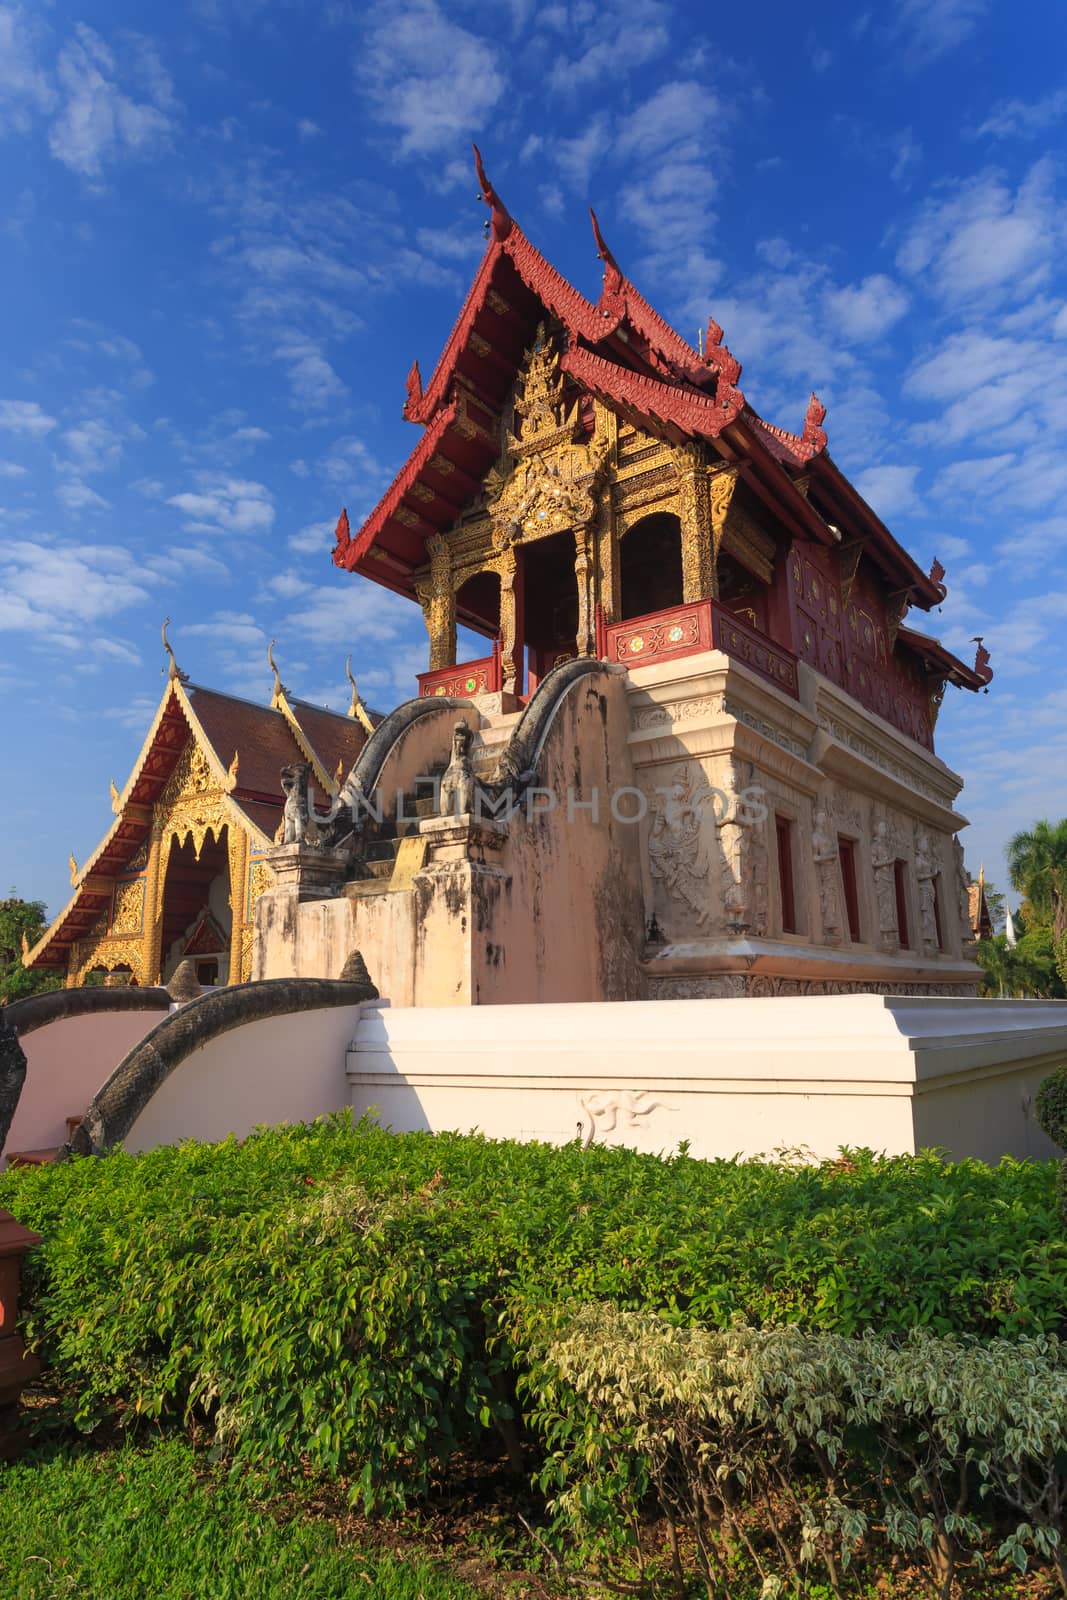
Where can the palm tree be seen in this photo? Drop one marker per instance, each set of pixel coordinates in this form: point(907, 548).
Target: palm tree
point(1037, 864)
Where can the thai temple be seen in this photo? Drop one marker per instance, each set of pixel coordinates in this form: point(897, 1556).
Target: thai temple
point(692, 764)
point(695, 757)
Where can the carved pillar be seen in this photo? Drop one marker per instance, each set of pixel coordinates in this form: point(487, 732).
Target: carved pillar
point(585, 641)
point(238, 852)
point(606, 588)
point(438, 602)
point(699, 548)
point(153, 907)
point(721, 486)
point(507, 566)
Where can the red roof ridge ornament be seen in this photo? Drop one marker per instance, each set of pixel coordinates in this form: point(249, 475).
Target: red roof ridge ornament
point(981, 661)
point(343, 536)
point(814, 434)
point(612, 302)
point(413, 384)
point(937, 577)
point(501, 220)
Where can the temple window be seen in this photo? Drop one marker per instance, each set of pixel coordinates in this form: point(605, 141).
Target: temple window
point(478, 604)
point(847, 852)
point(900, 884)
point(550, 601)
point(742, 592)
point(650, 566)
point(783, 829)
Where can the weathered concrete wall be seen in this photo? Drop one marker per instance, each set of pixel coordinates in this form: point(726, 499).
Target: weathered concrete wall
point(66, 1062)
point(560, 915)
point(893, 1074)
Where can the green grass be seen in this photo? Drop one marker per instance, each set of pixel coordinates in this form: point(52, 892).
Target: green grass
point(159, 1524)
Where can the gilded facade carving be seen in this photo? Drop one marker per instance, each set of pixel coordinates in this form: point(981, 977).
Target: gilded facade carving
point(127, 906)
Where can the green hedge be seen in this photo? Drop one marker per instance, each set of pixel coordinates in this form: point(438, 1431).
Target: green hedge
point(334, 1292)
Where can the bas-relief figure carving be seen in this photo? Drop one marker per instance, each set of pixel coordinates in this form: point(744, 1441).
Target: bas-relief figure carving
point(883, 860)
point(678, 845)
point(824, 851)
point(746, 893)
point(604, 1110)
point(457, 785)
point(926, 870)
point(963, 897)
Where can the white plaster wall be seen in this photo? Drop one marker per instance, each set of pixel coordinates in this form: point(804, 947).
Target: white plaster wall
point(280, 1069)
point(749, 1077)
point(67, 1061)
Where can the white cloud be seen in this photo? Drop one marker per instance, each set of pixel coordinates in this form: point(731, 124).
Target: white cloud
point(312, 380)
point(889, 490)
point(427, 75)
point(606, 43)
point(866, 310)
point(11, 469)
point(41, 595)
point(98, 121)
point(928, 29)
point(1023, 119)
point(352, 609)
point(577, 157)
point(236, 629)
point(312, 540)
point(93, 446)
point(24, 86)
point(25, 417)
point(226, 505)
point(983, 239)
point(78, 496)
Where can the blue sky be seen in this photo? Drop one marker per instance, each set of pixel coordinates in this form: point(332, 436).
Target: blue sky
point(228, 226)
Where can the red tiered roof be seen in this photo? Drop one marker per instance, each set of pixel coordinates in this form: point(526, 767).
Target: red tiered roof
point(623, 352)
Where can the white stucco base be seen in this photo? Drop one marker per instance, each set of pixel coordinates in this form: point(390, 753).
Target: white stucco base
point(897, 1074)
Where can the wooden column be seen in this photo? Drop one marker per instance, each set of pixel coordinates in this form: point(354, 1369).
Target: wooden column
point(507, 565)
point(585, 642)
point(238, 853)
point(152, 934)
point(439, 605)
point(699, 546)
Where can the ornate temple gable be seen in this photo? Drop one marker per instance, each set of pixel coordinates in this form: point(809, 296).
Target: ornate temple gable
point(209, 761)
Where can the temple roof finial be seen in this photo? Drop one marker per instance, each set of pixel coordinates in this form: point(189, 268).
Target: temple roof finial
point(342, 533)
point(814, 417)
point(981, 660)
point(612, 271)
point(73, 865)
point(279, 691)
point(357, 710)
point(173, 671)
point(413, 384)
point(501, 221)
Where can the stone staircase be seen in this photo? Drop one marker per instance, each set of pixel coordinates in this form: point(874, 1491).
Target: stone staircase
point(376, 872)
point(41, 1158)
